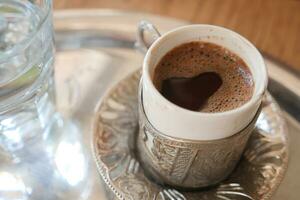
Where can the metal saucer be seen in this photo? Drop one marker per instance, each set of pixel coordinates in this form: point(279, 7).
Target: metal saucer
point(257, 176)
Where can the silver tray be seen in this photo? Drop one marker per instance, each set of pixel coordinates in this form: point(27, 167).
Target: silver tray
point(95, 50)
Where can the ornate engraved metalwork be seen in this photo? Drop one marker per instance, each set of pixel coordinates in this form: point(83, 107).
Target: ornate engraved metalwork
point(257, 175)
point(188, 163)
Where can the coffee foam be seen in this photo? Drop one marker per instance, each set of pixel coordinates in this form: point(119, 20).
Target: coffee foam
point(194, 58)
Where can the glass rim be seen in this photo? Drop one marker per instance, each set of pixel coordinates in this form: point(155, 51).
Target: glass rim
point(20, 46)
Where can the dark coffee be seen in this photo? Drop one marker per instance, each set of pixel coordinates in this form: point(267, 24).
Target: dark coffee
point(204, 77)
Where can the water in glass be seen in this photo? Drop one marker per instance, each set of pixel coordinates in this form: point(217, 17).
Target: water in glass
point(26, 71)
point(41, 156)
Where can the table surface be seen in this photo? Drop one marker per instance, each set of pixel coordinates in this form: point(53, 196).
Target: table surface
point(272, 25)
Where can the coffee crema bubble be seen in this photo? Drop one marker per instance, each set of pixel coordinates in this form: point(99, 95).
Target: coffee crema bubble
point(205, 77)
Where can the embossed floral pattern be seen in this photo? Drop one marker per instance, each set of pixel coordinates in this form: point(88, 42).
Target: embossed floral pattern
point(115, 126)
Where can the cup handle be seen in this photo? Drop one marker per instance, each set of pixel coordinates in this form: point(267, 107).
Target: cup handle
point(141, 44)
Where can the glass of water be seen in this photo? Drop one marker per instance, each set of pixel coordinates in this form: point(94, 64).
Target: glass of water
point(26, 71)
point(41, 156)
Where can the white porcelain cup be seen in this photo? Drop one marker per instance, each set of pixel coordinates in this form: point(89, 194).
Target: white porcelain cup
point(179, 122)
